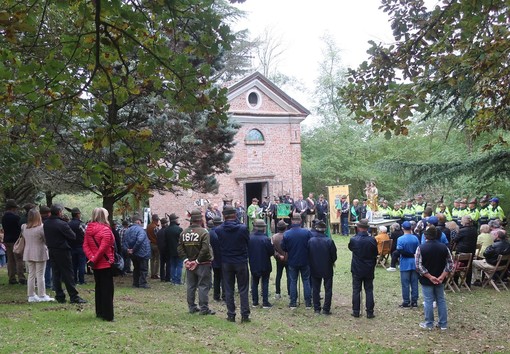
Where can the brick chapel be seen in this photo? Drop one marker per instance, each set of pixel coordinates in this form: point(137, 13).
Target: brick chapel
point(266, 158)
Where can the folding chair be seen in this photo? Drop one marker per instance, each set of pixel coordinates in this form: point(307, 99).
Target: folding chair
point(382, 258)
point(494, 273)
point(463, 266)
point(450, 281)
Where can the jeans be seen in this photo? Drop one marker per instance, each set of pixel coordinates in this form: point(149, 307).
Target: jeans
point(79, 263)
point(48, 274)
point(344, 221)
point(200, 279)
point(140, 270)
point(435, 293)
point(305, 277)
point(368, 284)
point(328, 293)
point(279, 272)
point(231, 272)
point(409, 279)
point(255, 279)
point(175, 269)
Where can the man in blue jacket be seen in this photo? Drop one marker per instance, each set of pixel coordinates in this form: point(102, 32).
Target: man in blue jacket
point(322, 257)
point(137, 245)
point(234, 238)
point(295, 243)
point(364, 256)
point(260, 251)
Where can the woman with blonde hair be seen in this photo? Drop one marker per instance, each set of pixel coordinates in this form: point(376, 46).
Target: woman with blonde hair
point(98, 246)
point(36, 255)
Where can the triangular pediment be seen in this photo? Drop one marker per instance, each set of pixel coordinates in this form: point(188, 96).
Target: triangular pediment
point(256, 97)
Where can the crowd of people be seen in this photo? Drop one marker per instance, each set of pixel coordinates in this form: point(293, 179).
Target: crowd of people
point(220, 248)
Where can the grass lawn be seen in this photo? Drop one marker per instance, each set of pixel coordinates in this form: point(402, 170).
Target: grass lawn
point(156, 320)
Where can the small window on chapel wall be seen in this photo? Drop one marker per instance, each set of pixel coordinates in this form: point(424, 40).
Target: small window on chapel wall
point(253, 99)
point(254, 136)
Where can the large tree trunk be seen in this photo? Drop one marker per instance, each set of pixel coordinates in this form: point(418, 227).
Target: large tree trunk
point(108, 203)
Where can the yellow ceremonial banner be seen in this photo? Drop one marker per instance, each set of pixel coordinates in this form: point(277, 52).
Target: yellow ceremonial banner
point(334, 194)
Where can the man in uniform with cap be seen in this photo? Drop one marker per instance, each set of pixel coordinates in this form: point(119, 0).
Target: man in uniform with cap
point(322, 256)
point(484, 210)
point(473, 211)
point(496, 212)
point(194, 246)
point(385, 210)
point(260, 251)
point(364, 256)
point(79, 258)
point(406, 248)
point(152, 229)
point(136, 244)
point(12, 229)
point(281, 258)
point(234, 238)
point(322, 208)
point(419, 207)
point(295, 243)
point(164, 257)
point(456, 211)
point(396, 213)
point(409, 213)
point(463, 208)
point(443, 209)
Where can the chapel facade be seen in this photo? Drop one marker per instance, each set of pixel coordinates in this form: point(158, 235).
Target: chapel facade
point(267, 154)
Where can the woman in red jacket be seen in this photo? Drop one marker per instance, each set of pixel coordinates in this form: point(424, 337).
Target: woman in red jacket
point(98, 246)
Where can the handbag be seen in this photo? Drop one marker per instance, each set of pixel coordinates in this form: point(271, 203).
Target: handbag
point(19, 246)
point(118, 262)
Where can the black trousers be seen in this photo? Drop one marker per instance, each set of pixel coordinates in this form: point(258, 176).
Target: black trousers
point(279, 273)
point(328, 293)
point(231, 272)
point(368, 284)
point(218, 284)
point(104, 293)
point(62, 264)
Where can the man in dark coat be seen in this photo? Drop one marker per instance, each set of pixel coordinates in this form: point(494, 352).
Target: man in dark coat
point(58, 234)
point(364, 256)
point(260, 251)
point(164, 257)
point(172, 234)
point(295, 243)
point(12, 229)
point(78, 256)
point(322, 257)
point(218, 283)
point(234, 238)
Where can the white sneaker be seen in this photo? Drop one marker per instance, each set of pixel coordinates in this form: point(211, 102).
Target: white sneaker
point(34, 298)
point(391, 269)
point(46, 298)
point(277, 296)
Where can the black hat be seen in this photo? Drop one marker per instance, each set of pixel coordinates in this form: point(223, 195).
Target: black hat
point(73, 210)
point(228, 210)
point(11, 204)
point(195, 215)
point(217, 221)
point(259, 224)
point(363, 224)
point(320, 226)
point(173, 217)
point(281, 225)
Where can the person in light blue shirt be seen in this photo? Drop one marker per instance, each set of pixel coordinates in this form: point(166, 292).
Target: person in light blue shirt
point(406, 246)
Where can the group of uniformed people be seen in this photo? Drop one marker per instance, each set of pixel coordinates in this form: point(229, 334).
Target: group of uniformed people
point(481, 212)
